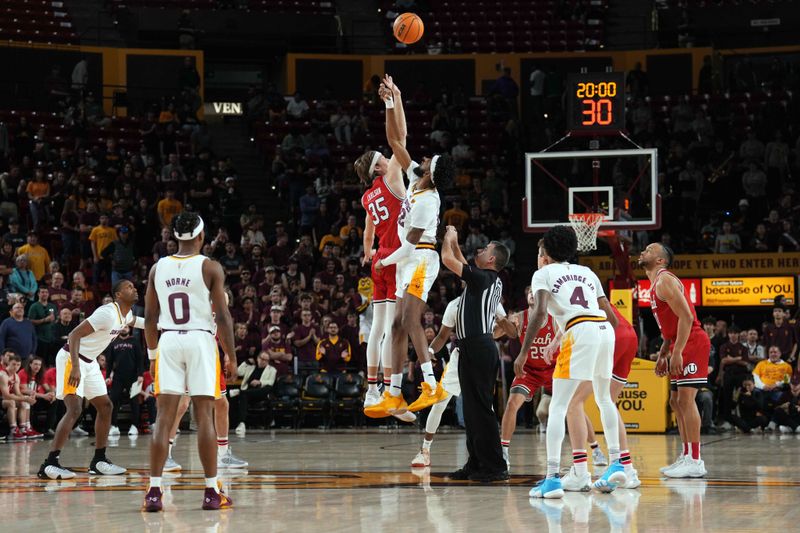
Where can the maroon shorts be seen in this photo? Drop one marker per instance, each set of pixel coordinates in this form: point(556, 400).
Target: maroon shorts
point(625, 348)
point(385, 281)
point(695, 362)
point(530, 382)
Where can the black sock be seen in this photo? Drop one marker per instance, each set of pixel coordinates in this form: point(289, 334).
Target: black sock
point(99, 454)
point(52, 457)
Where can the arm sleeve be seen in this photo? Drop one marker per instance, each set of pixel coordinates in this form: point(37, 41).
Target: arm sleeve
point(137, 322)
point(398, 255)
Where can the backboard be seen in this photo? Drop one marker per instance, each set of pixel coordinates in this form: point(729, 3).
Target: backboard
point(620, 184)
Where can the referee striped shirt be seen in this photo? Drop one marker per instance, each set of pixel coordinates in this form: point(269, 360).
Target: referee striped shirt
point(476, 312)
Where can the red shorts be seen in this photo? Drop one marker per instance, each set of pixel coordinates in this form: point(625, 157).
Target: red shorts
point(385, 281)
point(531, 381)
point(625, 348)
point(695, 362)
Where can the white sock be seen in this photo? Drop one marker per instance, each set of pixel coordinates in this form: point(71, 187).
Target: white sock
point(222, 449)
point(426, 444)
point(427, 374)
point(211, 483)
point(155, 482)
point(395, 389)
point(373, 387)
point(171, 444)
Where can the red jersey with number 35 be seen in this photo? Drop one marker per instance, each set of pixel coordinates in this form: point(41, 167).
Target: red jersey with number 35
point(383, 207)
point(665, 317)
point(535, 361)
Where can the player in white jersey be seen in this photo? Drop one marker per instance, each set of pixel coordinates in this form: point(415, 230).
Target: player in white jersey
point(179, 298)
point(417, 262)
point(78, 376)
point(450, 382)
point(574, 296)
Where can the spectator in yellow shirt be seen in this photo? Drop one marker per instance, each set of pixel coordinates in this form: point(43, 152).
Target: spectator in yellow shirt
point(38, 258)
point(168, 208)
point(100, 237)
point(772, 375)
point(344, 231)
point(455, 216)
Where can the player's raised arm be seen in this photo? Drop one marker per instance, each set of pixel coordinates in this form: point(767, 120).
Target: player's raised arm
point(450, 258)
point(396, 127)
point(212, 271)
point(151, 312)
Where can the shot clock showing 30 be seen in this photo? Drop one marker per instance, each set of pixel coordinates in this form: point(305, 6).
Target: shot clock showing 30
point(596, 102)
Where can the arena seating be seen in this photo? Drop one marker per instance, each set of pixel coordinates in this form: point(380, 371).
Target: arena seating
point(36, 21)
point(513, 26)
point(269, 6)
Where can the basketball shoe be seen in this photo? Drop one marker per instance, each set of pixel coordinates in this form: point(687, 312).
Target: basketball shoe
point(575, 482)
point(677, 462)
point(688, 468)
point(428, 397)
point(599, 458)
point(611, 478)
point(422, 459)
point(548, 488)
point(215, 501)
point(389, 405)
point(371, 398)
point(152, 501)
point(171, 465)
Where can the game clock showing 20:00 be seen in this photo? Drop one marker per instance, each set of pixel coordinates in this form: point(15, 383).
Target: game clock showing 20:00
point(596, 102)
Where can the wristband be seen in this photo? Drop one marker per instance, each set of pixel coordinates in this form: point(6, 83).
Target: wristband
point(152, 354)
point(389, 103)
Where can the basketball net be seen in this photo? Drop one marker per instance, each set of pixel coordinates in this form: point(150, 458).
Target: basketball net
point(586, 226)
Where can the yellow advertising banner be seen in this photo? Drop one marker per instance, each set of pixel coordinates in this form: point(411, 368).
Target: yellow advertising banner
point(643, 402)
point(711, 265)
point(623, 301)
point(723, 292)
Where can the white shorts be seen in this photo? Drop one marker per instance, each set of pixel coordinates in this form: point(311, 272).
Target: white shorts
point(187, 361)
point(417, 273)
point(587, 352)
point(91, 385)
point(450, 380)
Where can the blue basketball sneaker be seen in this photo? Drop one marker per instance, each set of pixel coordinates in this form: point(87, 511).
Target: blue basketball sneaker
point(548, 488)
point(613, 476)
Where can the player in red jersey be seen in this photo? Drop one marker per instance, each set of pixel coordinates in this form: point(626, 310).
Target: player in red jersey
point(382, 201)
point(683, 355)
point(538, 374)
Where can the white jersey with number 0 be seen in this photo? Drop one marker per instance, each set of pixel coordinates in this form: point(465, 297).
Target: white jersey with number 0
point(574, 290)
point(183, 297)
point(107, 322)
point(420, 209)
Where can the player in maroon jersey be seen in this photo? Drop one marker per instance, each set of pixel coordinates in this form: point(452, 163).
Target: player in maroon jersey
point(538, 374)
point(683, 355)
point(382, 202)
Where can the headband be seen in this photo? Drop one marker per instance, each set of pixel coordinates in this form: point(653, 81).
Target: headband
point(375, 157)
point(433, 165)
point(190, 235)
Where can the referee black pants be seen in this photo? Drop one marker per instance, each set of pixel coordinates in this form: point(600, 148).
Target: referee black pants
point(477, 372)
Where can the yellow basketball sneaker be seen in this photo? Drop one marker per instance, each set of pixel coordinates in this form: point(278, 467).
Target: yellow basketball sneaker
point(389, 405)
point(428, 397)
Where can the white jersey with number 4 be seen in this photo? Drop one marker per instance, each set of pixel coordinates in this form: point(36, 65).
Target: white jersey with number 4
point(183, 297)
point(574, 291)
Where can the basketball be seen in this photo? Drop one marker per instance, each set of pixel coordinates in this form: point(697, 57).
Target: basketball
point(408, 28)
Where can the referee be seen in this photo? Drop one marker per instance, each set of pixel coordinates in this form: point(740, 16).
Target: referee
point(479, 358)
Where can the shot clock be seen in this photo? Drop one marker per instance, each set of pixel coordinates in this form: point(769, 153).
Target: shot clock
point(596, 103)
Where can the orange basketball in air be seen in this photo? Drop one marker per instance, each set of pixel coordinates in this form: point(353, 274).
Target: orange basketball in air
point(408, 28)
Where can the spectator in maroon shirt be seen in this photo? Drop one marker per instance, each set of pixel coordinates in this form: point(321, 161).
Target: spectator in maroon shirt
point(243, 343)
point(256, 263)
point(279, 350)
point(305, 337)
point(333, 352)
point(265, 286)
point(733, 364)
point(247, 314)
point(306, 304)
point(350, 332)
point(58, 294)
point(245, 279)
point(781, 334)
point(276, 320)
point(80, 308)
point(321, 295)
point(351, 276)
point(328, 277)
point(281, 252)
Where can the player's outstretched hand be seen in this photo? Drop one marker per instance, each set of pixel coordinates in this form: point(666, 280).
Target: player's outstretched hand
point(389, 83)
point(230, 368)
point(367, 256)
point(74, 376)
point(661, 366)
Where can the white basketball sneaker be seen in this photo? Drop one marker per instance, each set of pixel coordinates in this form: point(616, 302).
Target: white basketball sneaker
point(633, 481)
point(422, 459)
point(688, 468)
point(372, 397)
point(575, 482)
point(599, 458)
point(677, 462)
